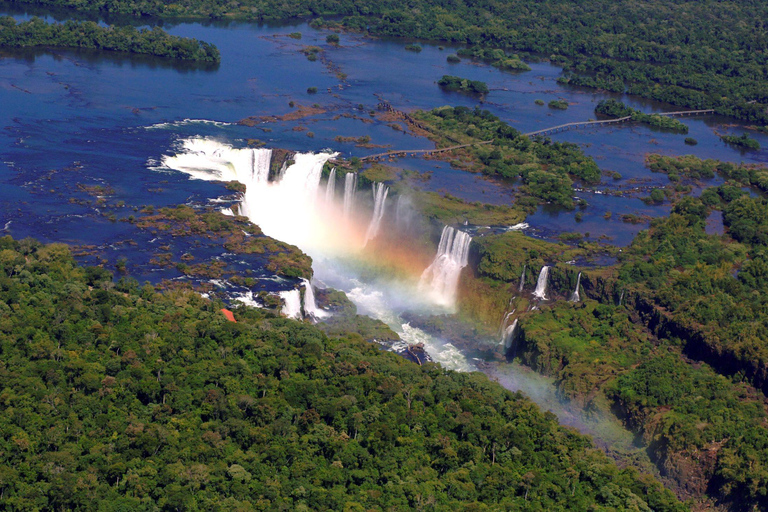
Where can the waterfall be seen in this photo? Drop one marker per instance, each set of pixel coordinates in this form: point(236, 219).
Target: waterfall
point(379, 203)
point(441, 278)
point(292, 304)
point(621, 297)
point(509, 333)
point(310, 306)
point(283, 208)
point(350, 187)
point(504, 323)
point(505, 320)
point(575, 297)
point(541, 285)
point(522, 281)
point(282, 170)
point(330, 188)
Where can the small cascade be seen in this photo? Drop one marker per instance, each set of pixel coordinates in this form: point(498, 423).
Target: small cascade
point(350, 187)
point(541, 285)
point(441, 278)
point(575, 297)
point(380, 192)
point(292, 304)
point(504, 322)
point(310, 306)
point(509, 335)
point(281, 172)
point(522, 281)
point(621, 297)
point(330, 188)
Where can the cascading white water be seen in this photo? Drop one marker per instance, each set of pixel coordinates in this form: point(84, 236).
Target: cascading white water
point(310, 306)
point(284, 209)
point(292, 304)
point(575, 297)
point(350, 187)
point(441, 278)
point(522, 281)
point(541, 285)
point(380, 192)
point(330, 188)
point(504, 322)
point(282, 170)
point(509, 333)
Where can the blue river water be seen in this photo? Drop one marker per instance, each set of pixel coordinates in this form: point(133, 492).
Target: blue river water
point(93, 111)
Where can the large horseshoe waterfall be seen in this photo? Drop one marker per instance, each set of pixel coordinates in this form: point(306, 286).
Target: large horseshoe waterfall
point(333, 232)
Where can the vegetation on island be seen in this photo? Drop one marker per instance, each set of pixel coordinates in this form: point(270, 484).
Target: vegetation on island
point(458, 84)
point(558, 104)
point(234, 233)
point(547, 169)
point(616, 109)
point(743, 140)
point(87, 34)
point(496, 57)
point(116, 396)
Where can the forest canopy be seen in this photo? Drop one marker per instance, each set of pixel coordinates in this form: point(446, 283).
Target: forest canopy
point(117, 397)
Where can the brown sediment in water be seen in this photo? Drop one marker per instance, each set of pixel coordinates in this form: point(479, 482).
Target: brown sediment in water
point(301, 112)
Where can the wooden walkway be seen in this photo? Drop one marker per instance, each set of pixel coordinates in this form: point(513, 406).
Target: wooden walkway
point(571, 126)
point(414, 152)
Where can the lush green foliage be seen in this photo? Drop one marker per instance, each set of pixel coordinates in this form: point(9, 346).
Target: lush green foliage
point(455, 83)
point(87, 34)
point(614, 108)
point(680, 410)
point(117, 397)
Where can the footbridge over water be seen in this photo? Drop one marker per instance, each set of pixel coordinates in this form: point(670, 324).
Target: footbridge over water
point(584, 124)
point(546, 131)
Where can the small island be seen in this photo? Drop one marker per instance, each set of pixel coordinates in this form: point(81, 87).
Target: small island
point(464, 85)
point(743, 140)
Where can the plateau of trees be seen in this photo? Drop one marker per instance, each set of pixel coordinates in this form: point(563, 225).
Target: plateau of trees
point(117, 397)
point(87, 34)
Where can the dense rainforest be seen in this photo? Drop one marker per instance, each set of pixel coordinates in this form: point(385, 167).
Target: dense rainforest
point(87, 34)
point(705, 54)
point(671, 338)
point(116, 396)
